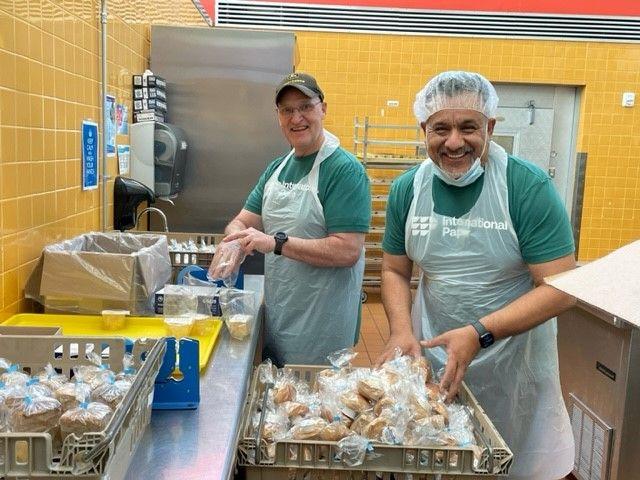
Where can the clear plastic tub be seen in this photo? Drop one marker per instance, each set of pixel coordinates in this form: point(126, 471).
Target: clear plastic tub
point(114, 319)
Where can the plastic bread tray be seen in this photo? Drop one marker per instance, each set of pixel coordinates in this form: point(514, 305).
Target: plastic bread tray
point(93, 456)
point(316, 459)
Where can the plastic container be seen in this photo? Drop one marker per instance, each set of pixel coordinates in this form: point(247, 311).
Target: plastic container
point(178, 326)
point(136, 327)
point(92, 456)
point(114, 319)
point(301, 459)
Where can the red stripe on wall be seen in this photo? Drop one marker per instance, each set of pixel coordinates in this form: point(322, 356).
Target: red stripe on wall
point(208, 6)
point(572, 7)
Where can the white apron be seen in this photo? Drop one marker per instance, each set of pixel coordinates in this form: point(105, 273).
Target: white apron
point(310, 311)
point(470, 267)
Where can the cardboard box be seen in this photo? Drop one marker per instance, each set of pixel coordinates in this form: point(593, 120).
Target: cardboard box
point(20, 330)
point(98, 271)
point(201, 292)
point(609, 284)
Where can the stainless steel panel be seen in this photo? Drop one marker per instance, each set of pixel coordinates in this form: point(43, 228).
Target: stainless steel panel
point(578, 197)
point(600, 365)
point(220, 90)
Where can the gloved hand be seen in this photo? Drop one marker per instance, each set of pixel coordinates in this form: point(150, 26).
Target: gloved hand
point(226, 263)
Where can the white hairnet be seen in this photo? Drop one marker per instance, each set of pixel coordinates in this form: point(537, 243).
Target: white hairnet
point(459, 90)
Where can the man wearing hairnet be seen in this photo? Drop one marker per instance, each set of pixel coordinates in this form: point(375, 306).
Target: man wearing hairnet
point(308, 214)
point(485, 229)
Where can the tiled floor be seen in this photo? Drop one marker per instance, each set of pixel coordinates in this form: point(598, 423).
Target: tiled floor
point(374, 332)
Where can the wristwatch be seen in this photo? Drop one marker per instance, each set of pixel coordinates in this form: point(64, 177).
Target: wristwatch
point(485, 336)
point(281, 239)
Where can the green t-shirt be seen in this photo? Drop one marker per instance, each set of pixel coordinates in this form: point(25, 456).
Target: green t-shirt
point(536, 210)
point(343, 189)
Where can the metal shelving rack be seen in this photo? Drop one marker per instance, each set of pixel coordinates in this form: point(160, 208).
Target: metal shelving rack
point(382, 168)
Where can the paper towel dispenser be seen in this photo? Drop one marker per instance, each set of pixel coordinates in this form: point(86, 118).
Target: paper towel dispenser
point(158, 157)
point(170, 155)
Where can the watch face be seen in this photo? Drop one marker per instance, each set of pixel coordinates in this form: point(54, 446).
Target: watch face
point(280, 236)
point(486, 340)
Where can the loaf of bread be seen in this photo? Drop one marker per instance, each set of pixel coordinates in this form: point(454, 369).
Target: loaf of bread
point(354, 401)
point(334, 431)
point(284, 392)
point(361, 421)
point(295, 409)
point(371, 388)
point(384, 402)
point(111, 393)
point(308, 428)
point(36, 414)
point(422, 366)
point(92, 418)
point(373, 430)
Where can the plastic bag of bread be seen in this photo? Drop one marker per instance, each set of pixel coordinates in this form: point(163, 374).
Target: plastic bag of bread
point(50, 378)
point(86, 417)
point(95, 373)
point(111, 392)
point(67, 394)
point(238, 311)
point(295, 409)
point(372, 387)
point(307, 428)
point(352, 450)
point(342, 358)
point(11, 373)
point(384, 402)
point(284, 392)
point(35, 414)
point(373, 430)
point(334, 431)
point(422, 368)
point(275, 425)
point(354, 401)
point(361, 421)
point(419, 405)
point(128, 370)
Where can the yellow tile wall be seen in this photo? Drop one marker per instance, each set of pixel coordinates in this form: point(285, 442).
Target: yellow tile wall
point(49, 83)
point(360, 72)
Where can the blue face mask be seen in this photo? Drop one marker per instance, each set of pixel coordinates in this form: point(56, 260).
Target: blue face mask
point(475, 170)
point(468, 178)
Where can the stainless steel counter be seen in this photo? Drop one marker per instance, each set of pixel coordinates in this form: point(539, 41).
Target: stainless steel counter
point(200, 444)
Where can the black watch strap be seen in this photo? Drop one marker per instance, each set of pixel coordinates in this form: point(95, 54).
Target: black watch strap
point(485, 337)
point(281, 238)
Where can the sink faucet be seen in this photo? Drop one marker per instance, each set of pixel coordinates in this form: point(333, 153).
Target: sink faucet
point(153, 209)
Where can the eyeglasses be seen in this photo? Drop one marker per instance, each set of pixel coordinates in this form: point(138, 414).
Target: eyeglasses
point(305, 108)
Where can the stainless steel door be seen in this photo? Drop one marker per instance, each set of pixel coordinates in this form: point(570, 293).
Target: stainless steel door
point(220, 90)
point(538, 123)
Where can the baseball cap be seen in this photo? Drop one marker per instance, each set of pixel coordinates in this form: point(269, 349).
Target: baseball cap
point(303, 82)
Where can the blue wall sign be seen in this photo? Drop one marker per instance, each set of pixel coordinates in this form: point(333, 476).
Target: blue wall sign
point(89, 155)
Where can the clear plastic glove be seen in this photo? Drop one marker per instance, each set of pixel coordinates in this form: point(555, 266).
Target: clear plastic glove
point(226, 263)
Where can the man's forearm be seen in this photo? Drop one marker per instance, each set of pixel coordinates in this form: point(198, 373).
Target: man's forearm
point(396, 298)
point(528, 311)
point(322, 252)
point(234, 226)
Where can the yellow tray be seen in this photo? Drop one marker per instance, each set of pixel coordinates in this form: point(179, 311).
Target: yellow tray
point(137, 327)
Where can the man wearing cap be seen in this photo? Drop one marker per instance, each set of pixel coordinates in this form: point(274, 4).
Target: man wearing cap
point(485, 229)
point(308, 214)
